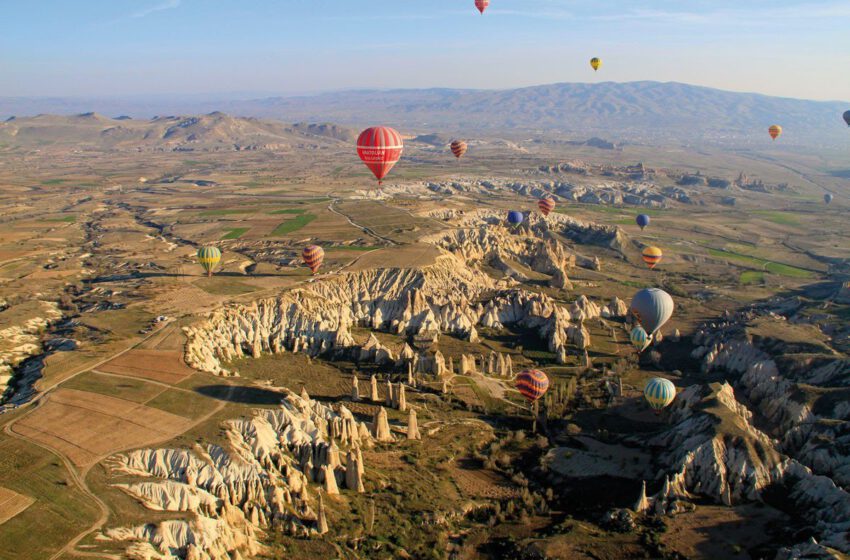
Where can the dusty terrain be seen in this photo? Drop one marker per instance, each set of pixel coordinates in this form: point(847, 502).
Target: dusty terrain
point(151, 412)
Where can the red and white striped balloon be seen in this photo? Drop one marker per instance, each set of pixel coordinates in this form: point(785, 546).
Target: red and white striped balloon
point(482, 5)
point(380, 148)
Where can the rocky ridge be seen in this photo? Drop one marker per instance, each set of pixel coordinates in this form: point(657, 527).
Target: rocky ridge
point(262, 481)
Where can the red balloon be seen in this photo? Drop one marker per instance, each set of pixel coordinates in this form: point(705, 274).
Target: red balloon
point(482, 5)
point(380, 148)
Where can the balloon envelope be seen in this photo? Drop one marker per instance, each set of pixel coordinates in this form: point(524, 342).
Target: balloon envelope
point(546, 205)
point(595, 63)
point(313, 256)
point(209, 257)
point(532, 384)
point(847, 117)
point(482, 5)
point(828, 197)
point(515, 217)
point(639, 338)
point(659, 392)
point(651, 256)
point(652, 308)
point(380, 148)
point(642, 220)
point(775, 131)
point(459, 148)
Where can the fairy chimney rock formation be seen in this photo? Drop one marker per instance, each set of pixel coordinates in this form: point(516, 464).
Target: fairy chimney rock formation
point(353, 475)
point(381, 426)
point(412, 426)
point(560, 280)
point(330, 480)
point(642, 503)
point(355, 389)
point(322, 523)
point(374, 389)
point(401, 399)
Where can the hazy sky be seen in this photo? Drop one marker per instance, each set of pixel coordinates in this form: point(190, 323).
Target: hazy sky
point(118, 47)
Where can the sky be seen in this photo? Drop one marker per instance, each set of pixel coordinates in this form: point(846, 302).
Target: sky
point(248, 48)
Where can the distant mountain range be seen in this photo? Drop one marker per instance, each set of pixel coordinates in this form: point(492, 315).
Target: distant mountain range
point(632, 112)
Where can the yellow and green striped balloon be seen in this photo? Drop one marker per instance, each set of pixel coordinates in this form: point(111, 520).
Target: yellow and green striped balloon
point(659, 392)
point(209, 257)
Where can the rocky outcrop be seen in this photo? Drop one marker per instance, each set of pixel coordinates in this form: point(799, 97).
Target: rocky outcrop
point(714, 450)
point(20, 340)
point(261, 482)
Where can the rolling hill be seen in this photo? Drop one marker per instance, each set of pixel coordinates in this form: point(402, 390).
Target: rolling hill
point(211, 132)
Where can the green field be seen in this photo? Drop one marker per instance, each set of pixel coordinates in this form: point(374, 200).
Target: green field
point(776, 217)
point(751, 277)
point(288, 211)
point(235, 233)
point(226, 211)
point(50, 182)
point(66, 219)
point(135, 390)
point(769, 266)
point(294, 224)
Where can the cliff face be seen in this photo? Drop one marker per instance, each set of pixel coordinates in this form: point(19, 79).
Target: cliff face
point(20, 339)
point(261, 482)
point(714, 448)
point(447, 297)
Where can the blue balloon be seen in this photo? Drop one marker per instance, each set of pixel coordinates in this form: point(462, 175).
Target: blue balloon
point(642, 220)
point(515, 217)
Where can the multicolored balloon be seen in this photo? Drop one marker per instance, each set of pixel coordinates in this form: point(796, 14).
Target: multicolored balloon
point(639, 338)
point(515, 218)
point(828, 197)
point(659, 393)
point(380, 148)
point(459, 148)
point(595, 63)
point(642, 220)
point(775, 131)
point(209, 257)
point(652, 307)
point(546, 205)
point(532, 384)
point(313, 256)
point(651, 256)
point(482, 5)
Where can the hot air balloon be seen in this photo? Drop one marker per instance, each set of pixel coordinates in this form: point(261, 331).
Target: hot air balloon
point(459, 148)
point(515, 218)
point(313, 256)
point(651, 256)
point(847, 117)
point(642, 220)
point(659, 392)
point(775, 131)
point(828, 197)
point(532, 384)
point(639, 338)
point(209, 256)
point(546, 205)
point(380, 148)
point(482, 5)
point(652, 308)
point(595, 63)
